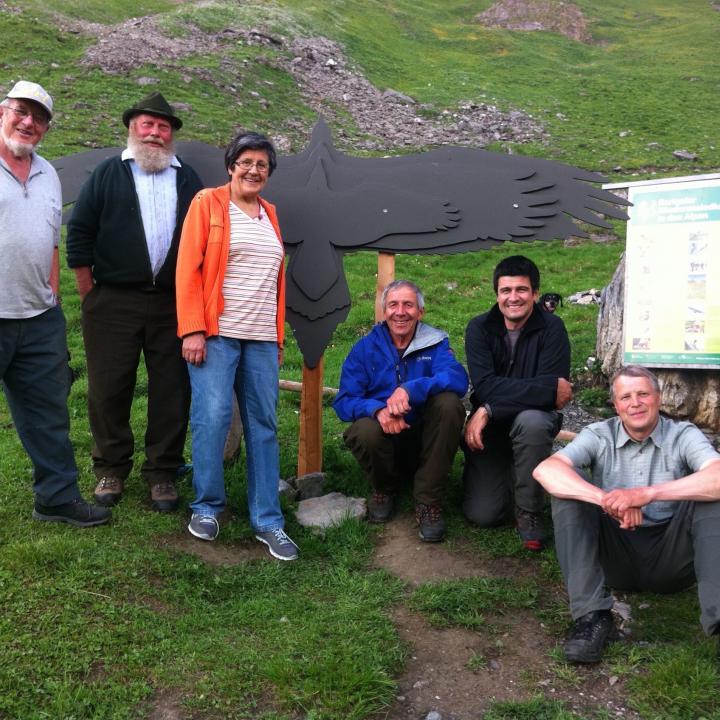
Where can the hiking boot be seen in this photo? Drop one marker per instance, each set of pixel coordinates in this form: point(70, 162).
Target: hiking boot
point(279, 544)
point(380, 507)
point(77, 512)
point(163, 496)
point(109, 490)
point(430, 520)
point(531, 529)
point(589, 635)
point(204, 527)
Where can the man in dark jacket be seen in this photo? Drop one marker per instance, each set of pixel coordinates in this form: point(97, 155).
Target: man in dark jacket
point(401, 387)
point(519, 362)
point(122, 243)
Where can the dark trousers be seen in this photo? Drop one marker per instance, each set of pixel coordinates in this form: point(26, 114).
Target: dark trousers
point(425, 451)
point(36, 380)
point(118, 323)
point(594, 552)
point(504, 468)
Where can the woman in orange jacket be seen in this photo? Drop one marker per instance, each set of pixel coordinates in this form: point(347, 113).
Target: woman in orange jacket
point(231, 311)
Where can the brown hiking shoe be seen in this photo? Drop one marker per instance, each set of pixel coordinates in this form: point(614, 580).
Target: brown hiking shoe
point(380, 507)
point(164, 496)
point(109, 490)
point(430, 520)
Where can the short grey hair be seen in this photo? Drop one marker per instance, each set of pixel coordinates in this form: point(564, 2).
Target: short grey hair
point(395, 285)
point(633, 371)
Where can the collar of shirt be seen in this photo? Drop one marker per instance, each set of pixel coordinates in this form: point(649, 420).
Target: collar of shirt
point(622, 437)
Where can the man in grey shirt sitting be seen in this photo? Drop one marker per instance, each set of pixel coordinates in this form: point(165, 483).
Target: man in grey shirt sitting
point(648, 518)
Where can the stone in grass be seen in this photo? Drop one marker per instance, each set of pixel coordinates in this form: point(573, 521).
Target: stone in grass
point(286, 489)
point(311, 485)
point(329, 510)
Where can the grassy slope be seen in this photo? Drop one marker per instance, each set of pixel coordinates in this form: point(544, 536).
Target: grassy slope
point(95, 623)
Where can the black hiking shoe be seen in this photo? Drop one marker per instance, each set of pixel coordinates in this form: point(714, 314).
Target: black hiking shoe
point(77, 512)
point(589, 635)
point(430, 520)
point(531, 529)
point(380, 507)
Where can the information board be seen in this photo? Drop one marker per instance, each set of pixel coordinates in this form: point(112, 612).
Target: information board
point(672, 274)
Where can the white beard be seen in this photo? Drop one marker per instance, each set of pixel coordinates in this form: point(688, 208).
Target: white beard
point(16, 148)
point(149, 158)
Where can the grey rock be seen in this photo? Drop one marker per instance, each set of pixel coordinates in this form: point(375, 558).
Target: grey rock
point(286, 489)
point(433, 715)
point(147, 81)
point(585, 297)
point(329, 510)
point(399, 97)
point(311, 485)
point(684, 155)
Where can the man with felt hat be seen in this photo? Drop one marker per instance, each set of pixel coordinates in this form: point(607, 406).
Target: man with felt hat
point(122, 243)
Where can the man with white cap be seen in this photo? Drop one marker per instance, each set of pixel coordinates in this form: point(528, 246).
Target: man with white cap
point(122, 242)
point(33, 348)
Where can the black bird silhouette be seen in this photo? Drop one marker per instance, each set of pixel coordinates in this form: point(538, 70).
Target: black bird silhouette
point(443, 201)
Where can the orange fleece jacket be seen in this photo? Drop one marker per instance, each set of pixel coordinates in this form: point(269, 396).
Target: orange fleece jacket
point(202, 259)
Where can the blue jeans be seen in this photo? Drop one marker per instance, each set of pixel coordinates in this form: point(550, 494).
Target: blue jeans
point(249, 367)
point(36, 380)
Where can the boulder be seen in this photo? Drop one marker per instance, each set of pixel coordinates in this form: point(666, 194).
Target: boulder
point(328, 510)
point(311, 485)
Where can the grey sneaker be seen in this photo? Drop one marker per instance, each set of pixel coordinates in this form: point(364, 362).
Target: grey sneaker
point(279, 544)
point(205, 527)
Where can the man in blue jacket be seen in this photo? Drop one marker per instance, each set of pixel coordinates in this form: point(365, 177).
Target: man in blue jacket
point(401, 387)
point(518, 356)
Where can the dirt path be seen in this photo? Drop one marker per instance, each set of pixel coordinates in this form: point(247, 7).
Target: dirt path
point(459, 673)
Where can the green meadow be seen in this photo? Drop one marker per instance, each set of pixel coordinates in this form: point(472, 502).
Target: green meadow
point(125, 620)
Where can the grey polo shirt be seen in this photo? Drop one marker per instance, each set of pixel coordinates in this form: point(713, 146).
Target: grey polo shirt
point(30, 220)
point(672, 451)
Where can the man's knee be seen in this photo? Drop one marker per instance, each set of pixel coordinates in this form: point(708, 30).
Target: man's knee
point(364, 433)
point(446, 405)
point(485, 514)
point(534, 427)
point(486, 501)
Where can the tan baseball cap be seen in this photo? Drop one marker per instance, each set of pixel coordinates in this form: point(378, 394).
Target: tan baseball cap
point(26, 90)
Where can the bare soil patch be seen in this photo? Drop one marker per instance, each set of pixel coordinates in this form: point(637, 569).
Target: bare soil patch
point(459, 673)
point(217, 553)
point(555, 16)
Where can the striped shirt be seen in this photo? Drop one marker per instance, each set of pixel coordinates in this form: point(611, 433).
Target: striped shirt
point(250, 285)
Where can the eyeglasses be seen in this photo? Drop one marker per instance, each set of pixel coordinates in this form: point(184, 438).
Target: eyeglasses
point(38, 118)
point(261, 165)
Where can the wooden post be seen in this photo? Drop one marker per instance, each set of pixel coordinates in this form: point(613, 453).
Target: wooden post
point(385, 275)
point(310, 442)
